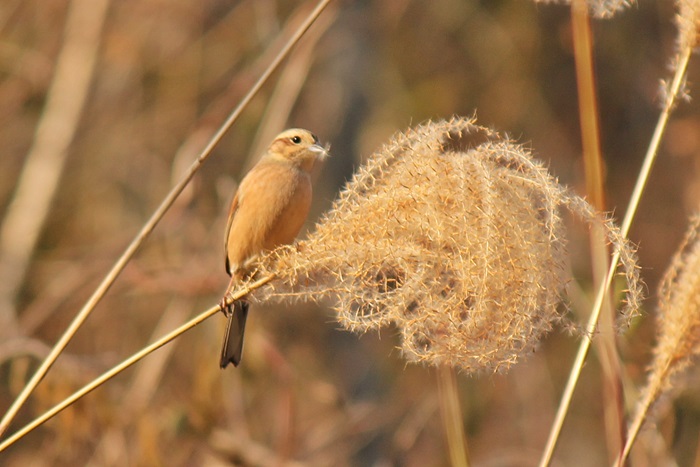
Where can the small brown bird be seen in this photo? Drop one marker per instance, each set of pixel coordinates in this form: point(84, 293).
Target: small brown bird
point(268, 210)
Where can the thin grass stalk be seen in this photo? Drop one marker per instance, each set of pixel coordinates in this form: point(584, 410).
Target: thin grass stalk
point(640, 185)
point(288, 88)
point(638, 421)
point(588, 104)
point(613, 407)
point(447, 189)
point(451, 414)
point(153, 221)
point(636, 425)
point(590, 137)
point(135, 358)
point(143, 386)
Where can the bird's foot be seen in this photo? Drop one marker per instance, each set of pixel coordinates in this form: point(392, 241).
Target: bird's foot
point(226, 308)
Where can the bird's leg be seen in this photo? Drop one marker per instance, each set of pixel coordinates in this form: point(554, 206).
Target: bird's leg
point(226, 304)
point(226, 308)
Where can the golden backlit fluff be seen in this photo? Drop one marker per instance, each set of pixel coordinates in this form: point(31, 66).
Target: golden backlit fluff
point(451, 233)
point(598, 8)
point(687, 20)
point(678, 318)
point(678, 334)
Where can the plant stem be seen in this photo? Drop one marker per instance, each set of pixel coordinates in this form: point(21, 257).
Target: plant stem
point(678, 79)
point(146, 230)
point(611, 384)
point(114, 371)
point(635, 198)
point(451, 413)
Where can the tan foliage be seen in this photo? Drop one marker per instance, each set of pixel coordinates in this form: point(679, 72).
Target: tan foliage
point(678, 322)
point(598, 8)
point(452, 233)
point(678, 318)
point(688, 19)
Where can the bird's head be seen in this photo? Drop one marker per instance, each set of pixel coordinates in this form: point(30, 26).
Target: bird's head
point(300, 147)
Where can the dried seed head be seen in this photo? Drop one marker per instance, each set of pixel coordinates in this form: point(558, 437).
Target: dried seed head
point(688, 21)
point(678, 323)
point(678, 319)
point(451, 233)
point(598, 8)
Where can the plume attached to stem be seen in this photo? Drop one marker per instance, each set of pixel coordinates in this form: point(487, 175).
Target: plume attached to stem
point(598, 8)
point(678, 323)
point(688, 20)
point(678, 319)
point(679, 297)
point(452, 233)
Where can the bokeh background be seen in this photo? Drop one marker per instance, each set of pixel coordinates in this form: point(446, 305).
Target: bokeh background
point(166, 75)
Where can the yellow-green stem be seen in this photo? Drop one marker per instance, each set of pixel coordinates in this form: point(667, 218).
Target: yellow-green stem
point(146, 230)
point(613, 406)
point(451, 412)
point(106, 376)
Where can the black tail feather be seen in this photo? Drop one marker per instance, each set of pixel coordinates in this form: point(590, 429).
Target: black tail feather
point(233, 338)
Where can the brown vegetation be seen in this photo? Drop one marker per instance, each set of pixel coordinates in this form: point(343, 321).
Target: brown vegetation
point(104, 105)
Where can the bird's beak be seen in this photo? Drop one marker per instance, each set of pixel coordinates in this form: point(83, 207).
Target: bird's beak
point(319, 150)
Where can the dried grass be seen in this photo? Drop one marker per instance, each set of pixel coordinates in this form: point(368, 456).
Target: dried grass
point(427, 75)
point(678, 324)
point(453, 234)
point(687, 20)
point(598, 8)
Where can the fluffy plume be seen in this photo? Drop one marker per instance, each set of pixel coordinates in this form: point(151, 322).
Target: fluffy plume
point(678, 322)
point(598, 8)
point(678, 318)
point(688, 20)
point(452, 234)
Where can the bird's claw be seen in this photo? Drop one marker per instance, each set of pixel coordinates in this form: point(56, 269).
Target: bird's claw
point(226, 308)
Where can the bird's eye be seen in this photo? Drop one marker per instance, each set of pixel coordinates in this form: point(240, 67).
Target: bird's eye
point(296, 139)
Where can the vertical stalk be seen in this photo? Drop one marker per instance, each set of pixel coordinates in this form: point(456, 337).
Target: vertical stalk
point(678, 79)
point(451, 413)
point(613, 406)
point(640, 185)
point(593, 167)
point(153, 221)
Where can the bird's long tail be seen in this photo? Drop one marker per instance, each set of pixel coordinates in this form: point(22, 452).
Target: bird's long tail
point(233, 338)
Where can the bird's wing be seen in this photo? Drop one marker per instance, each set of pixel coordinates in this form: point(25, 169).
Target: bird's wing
point(231, 212)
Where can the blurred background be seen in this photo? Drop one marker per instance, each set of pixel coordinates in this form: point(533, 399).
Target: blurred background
point(105, 104)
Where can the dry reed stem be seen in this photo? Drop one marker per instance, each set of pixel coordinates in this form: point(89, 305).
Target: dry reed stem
point(678, 322)
point(154, 219)
point(669, 353)
point(288, 87)
point(452, 233)
point(608, 357)
point(135, 358)
point(674, 90)
point(219, 108)
point(451, 411)
point(449, 231)
point(40, 176)
point(144, 385)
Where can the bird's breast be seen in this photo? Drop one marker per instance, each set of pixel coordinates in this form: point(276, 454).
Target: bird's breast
point(290, 212)
point(274, 201)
